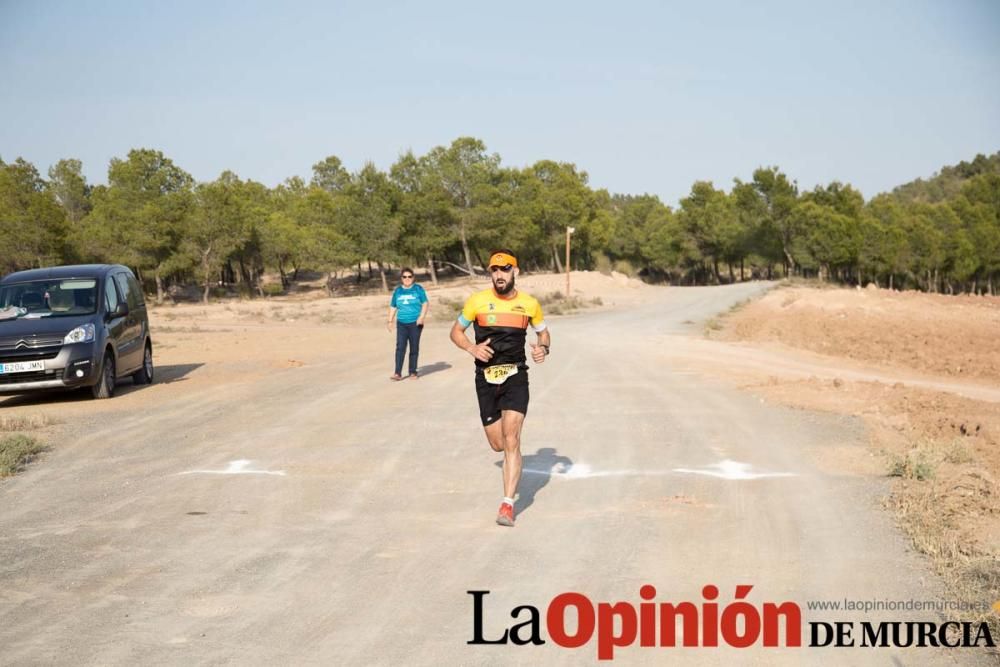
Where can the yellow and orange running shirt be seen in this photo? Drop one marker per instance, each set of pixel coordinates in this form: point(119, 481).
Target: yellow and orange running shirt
point(505, 322)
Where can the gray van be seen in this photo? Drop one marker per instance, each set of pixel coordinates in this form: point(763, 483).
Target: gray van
point(67, 327)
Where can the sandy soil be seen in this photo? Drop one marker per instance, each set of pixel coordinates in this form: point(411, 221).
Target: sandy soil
point(273, 499)
point(946, 336)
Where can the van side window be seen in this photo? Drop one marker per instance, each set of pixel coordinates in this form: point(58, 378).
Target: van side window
point(123, 287)
point(135, 291)
point(110, 295)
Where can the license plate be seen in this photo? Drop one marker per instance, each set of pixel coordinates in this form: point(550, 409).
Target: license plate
point(22, 367)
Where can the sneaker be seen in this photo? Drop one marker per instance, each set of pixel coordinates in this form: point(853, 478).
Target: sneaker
point(505, 517)
point(414, 376)
point(395, 377)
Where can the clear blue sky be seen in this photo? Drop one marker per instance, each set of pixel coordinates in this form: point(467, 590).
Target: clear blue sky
point(645, 97)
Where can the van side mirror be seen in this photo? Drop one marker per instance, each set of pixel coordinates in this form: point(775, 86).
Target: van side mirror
point(121, 310)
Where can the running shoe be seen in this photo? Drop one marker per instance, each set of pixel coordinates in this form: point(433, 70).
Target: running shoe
point(395, 377)
point(505, 517)
point(414, 376)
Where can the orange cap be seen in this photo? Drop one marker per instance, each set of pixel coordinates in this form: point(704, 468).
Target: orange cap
point(502, 259)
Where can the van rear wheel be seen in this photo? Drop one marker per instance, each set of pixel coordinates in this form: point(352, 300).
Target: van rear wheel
point(105, 387)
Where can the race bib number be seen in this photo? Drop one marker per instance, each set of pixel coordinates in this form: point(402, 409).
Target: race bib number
point(499, 374)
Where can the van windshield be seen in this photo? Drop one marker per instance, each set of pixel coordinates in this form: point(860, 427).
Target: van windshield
point(48, 298)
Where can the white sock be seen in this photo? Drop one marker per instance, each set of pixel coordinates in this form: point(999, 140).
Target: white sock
point(509, 501)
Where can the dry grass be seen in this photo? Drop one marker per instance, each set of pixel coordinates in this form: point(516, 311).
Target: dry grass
point(174, 330)
point(16, 451)
point(22, 423)
point(450, 306)
point(943, 486)
point(556, 303)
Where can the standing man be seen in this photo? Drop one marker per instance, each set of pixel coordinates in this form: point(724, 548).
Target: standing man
point(408, 307)
point(501, 316)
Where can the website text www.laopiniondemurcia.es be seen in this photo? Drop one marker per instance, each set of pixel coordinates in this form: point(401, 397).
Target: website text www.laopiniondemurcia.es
point(707, 624)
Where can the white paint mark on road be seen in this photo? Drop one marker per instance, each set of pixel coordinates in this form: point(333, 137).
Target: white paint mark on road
point(584, 471)
point(235, 468)
point(733, 470)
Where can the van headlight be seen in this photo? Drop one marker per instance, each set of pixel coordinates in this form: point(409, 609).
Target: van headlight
point(81, 334)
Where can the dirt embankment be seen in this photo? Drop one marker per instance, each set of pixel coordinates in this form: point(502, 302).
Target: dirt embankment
point(948, 336)
point(943, 449)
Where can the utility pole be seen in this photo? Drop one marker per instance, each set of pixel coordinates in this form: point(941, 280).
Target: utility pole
point(569, 232)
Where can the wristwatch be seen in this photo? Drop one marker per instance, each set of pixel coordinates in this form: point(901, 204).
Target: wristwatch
point(546, 348)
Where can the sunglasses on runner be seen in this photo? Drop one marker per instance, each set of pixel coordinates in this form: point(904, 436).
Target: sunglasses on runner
point(408, 277)
point(505, 268)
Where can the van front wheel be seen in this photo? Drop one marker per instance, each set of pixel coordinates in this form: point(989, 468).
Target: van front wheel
point(105, 387)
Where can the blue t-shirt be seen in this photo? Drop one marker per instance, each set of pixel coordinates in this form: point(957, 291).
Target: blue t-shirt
point(408, 301)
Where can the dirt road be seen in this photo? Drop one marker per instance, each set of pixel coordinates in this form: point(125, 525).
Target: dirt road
point(319, 514)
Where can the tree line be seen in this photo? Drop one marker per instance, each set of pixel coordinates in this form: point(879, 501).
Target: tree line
point(446, 209)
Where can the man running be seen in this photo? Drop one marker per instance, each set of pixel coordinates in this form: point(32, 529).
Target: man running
point(501, 316)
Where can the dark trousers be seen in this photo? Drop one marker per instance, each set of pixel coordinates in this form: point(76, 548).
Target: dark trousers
point(407, 333)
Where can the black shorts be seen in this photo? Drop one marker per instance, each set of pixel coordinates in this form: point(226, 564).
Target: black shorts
point(511, 395)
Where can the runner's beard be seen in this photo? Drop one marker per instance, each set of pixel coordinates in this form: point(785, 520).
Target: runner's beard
point(506, 288)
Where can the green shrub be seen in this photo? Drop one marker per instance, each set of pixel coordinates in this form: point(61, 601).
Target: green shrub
point(625, 266)
point(603, 264)
point(16, 451)
point(914, 465)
